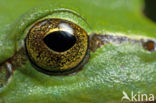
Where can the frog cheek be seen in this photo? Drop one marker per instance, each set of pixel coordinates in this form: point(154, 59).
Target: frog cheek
point(56, 46)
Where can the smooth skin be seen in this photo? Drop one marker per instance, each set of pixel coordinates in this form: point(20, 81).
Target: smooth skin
point(111, 69)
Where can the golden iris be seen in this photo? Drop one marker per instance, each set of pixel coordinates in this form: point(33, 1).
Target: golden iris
point(56, 46)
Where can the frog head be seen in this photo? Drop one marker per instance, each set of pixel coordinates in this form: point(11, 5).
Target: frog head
point(114, 51)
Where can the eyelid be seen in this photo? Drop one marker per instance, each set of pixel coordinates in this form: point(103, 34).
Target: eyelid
point(25, 22)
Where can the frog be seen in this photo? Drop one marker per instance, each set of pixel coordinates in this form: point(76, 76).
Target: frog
point(121, 57)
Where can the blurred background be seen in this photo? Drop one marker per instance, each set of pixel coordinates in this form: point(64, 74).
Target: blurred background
point(150, 9)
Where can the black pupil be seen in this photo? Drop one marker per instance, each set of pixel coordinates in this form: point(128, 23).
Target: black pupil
point(60, 41)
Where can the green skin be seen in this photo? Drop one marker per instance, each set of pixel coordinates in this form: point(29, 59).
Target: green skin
point(110, 70)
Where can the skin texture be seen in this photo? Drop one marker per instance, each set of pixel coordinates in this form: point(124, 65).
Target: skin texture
point(111, 69)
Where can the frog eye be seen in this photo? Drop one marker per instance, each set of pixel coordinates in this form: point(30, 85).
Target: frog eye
point(56, 46)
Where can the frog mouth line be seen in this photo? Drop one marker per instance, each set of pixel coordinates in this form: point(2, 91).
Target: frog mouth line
point(8, 67)
point(95, 41)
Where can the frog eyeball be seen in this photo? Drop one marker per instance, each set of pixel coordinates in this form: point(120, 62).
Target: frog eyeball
point(57, 46)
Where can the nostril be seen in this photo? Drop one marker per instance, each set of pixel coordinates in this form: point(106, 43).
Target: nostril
point(149, 45)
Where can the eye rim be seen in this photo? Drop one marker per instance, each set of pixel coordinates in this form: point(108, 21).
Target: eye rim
point(72, 70)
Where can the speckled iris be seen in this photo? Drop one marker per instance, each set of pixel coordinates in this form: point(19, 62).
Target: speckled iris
point(56, 45)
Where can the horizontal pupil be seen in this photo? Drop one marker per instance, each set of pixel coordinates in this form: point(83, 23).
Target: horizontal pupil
point(60, 41)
